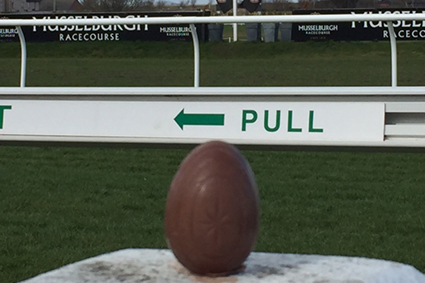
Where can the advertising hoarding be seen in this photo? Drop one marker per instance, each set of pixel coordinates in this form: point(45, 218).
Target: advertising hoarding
point(365, 30)
point(85, 33)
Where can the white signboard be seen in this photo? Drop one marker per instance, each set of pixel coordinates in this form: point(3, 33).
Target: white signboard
point(275, 121)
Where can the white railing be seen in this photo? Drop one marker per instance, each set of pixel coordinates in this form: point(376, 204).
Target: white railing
point(380, 117)
point(388, 18)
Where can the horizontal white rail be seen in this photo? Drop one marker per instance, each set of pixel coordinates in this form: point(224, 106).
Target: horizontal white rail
point(218, 19)
point(400, 92)
point(285, 117)
point(408, 130)
point(389, 145)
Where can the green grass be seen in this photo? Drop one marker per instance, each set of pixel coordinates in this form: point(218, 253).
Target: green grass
point(222, 64)
point(214, 72)
point(228, 32)
point(62, 204)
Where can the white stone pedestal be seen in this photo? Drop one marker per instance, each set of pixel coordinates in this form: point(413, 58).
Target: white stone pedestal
point(150, 265)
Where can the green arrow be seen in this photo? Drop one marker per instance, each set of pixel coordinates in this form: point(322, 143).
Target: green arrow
point(183, 119)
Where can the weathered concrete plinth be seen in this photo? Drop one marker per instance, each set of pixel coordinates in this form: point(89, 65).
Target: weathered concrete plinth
point(150, 265)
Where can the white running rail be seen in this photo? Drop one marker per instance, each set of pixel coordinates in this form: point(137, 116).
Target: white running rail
point(389, 117)
point(389, 18)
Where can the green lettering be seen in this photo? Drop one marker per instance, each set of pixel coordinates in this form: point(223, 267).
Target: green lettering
point(253, 117)
point(311, 128)
point(290, 128)
point(266, 121)
point(2, 108)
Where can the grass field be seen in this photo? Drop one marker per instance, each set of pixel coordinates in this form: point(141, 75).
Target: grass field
point(62, 204)
point(222, 64)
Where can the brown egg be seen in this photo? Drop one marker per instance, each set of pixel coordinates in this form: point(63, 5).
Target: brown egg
point(212, 210)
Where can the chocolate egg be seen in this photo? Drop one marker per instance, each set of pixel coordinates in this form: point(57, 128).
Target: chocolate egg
point(212, 210)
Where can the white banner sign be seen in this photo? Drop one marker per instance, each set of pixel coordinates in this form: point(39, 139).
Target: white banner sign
point(276, 121)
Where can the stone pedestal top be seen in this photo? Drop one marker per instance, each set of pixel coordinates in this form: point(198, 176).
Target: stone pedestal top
point(152, 265)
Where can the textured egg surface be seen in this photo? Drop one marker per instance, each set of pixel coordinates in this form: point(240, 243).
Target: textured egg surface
point(212, 210)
